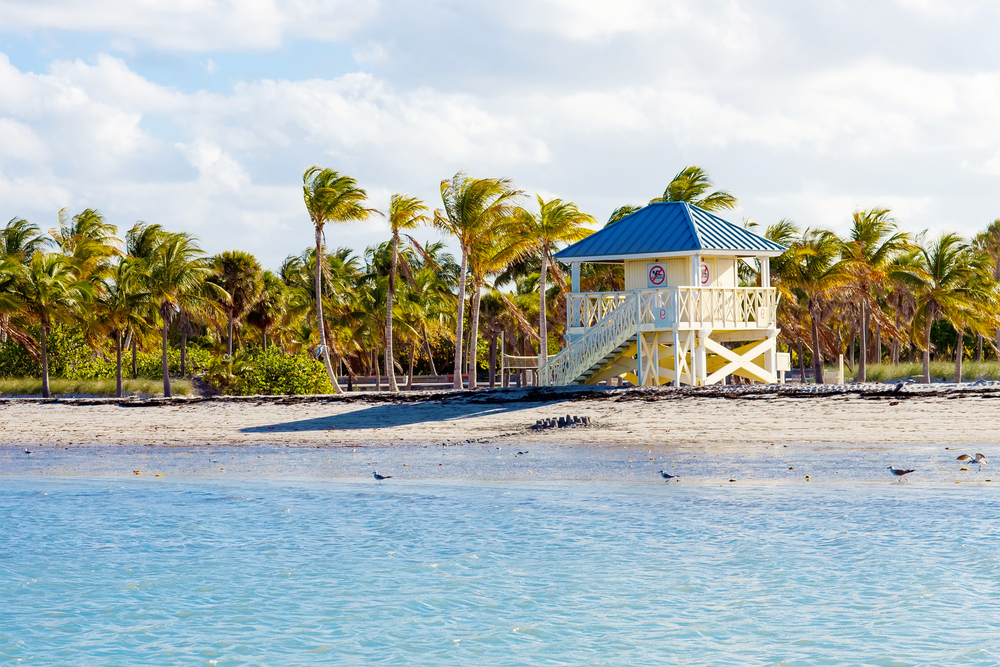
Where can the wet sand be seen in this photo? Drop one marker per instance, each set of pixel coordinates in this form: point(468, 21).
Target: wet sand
point(702, 436)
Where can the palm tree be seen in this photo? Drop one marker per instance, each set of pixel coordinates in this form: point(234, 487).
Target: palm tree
point(988, 241)
point(472, 208)
point(140, 243)
point(950, 288)
point(269, 307)
point(621, 212)
point(51, 292)
point(330, 197)
point(21, 239)
point(816, 269)
point(691, 185)
point(873, 245)
point(556, 222)
point(404, 213)
point(239, 274)
point(177, 273)
point(123, 304)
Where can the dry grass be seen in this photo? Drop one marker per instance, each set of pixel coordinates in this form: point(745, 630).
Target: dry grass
point(940, 371)
point(29, 387)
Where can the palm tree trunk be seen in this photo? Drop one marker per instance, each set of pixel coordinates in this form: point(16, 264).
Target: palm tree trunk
point(229, 339)
point(135, 365)
point(817, 355)
point(927, 351)
point(979, 349)
point(375, 368)
point(959, 353)
point(474, 336)
point(896, 344)
point(460, 323)
point(863, 360)
point(166, 364)
point(388, 315)
point(118, 363)
point(319, 311)
point(409, 373)
point(802, 364)
point(877, 347)
point(45, 363)
point(850, 349)
point(184, 347)
point(430, 353)
point(493, 362)
point(543, 333)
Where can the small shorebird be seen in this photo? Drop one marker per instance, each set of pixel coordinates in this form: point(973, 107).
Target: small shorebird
point(979, 458)
point(901, 473)
point(27, 451)
point(666, 475)
point(379, 478)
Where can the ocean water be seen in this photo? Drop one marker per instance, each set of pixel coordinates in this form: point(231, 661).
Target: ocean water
point(233, 572)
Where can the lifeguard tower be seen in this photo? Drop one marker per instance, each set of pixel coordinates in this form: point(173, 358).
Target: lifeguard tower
point(683, 317)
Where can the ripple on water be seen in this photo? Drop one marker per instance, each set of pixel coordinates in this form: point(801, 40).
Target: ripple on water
point(237, 572)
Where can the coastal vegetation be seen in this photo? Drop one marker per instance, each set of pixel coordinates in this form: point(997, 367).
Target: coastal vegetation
point(82, 306)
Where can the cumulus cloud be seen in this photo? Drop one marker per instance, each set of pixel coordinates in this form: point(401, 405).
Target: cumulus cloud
point(789, 105)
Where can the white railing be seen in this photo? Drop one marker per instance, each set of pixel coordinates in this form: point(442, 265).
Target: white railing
point(683, 307)
point(585, 309)
point(599, 341)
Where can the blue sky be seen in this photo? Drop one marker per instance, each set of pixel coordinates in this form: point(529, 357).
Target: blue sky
point(202, 115)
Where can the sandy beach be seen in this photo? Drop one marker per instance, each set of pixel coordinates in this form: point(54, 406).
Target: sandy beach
point(492, 435)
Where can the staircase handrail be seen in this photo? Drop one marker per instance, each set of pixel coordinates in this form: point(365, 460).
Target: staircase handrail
point(595, 344)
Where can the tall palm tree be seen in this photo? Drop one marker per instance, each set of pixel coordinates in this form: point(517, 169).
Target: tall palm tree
point(141, 242)
point(950, 289)
point(122, 305)
point(556, 222)
point(870, 250)
point(177, 273)
point(818, 271)
point(51, 292)
point(330, 197)
point(691, 185)
point(472, 209)
point(21, 239)
point(404, 213)
point(239, 274)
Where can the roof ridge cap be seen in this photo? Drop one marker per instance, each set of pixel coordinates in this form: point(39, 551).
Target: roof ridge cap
point(693, 225)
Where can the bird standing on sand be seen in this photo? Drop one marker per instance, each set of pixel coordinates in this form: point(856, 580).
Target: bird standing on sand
point(666, 475)
point(901, 473)
point(979, 458)
point(379, 478)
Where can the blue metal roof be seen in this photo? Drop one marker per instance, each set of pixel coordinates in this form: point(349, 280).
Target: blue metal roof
point(668, 227)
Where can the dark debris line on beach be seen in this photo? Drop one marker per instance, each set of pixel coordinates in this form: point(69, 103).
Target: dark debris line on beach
point(560, 394)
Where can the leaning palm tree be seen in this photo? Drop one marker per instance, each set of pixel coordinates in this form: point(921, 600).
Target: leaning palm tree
point(177, 273)
point(691, 185)
point(556, 222)
point(870, 250)
point(404, 213)
point(472, 208)
point(950, 288)
point(50, 292)
point(239, 274)
point(330, 197)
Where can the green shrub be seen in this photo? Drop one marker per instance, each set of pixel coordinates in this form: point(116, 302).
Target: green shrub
point(257, 372)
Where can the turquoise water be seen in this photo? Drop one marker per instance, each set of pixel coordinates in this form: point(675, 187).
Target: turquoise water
point(156, 572)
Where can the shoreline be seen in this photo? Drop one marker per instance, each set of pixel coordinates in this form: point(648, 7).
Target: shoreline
point(759, 434)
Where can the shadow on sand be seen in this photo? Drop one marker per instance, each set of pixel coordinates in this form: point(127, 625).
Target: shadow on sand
point(389, 415)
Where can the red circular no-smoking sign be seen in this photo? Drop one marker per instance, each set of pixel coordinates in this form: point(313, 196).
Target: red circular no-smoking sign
point(657, 275)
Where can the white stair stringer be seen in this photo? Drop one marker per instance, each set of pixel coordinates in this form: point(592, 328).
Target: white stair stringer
point(601, 344)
